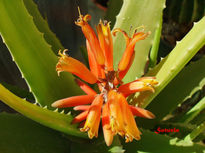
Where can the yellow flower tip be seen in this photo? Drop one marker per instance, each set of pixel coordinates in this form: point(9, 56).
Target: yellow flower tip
point(149, 84)
point(137, 111)
point(108, 134)
point(115, 31)
point(64, 53)
point(129, 137)
point(82, 20)
point(148, 88)
point(91, 131)
point(108, 140)
point(59, 67)
point(69, 64)
point(84, 129)
point(58, 72)
point(56, 103)
point(150, 115)
point(105, 26)
point(140, 27)
point(59, 52)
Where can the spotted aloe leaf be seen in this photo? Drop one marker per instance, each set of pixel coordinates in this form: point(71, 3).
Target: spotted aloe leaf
point(33, 55)
point(132, 15)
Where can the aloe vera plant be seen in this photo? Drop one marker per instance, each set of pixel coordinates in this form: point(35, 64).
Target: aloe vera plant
point(33, 46)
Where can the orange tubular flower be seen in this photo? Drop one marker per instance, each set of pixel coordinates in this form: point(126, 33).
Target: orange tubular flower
point(110, 104)
point(142, 84)
point(72, 65)
point(93, 118)
point(108, 134)
point(91, 37)
point(105, 39)
point(95, 68)
point(130, 45)
point(73, 101)
point(85, 87)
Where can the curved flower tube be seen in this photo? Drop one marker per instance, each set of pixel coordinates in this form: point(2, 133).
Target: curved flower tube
point(130, 45)
point(74, 66)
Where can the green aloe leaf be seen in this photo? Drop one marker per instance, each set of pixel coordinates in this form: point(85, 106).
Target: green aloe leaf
point(132, 15)
point(49, 118)
point(156, 143)
point(97, 146)
point(174, 62)
point(199, 118)
point(19, 134)
point(177, 91)
point(114, 7)
point(19, 91)
point(42, 25)
point(199, 129)
point(184, 130)
point(33, 55)
point(193, 112)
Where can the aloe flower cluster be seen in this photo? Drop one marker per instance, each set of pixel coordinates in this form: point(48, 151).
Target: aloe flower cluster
point(109, 106)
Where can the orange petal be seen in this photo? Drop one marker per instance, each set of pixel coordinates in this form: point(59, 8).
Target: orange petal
point(138, 36)
point(127, 55)
point(132, 131)
point(93, 118)
point(142, 84)
point(123, 73)
point(82, 107)
point(74, 101)
point(107, 132)
point(95, 68)
point(92, 61)
point(105, 39)
point(116, 122)
point(85, 87)
point(137, 111)
point(82, 116)
point(74, 66)
point(91, 37)
point(124, 34)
